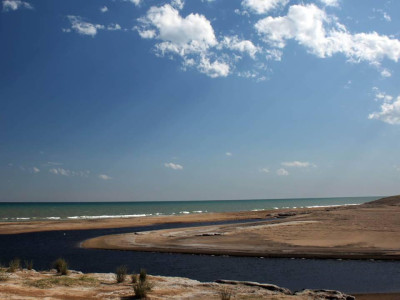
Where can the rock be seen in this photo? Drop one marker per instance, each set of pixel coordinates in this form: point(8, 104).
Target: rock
point(286, 214)
point(270, 287)
point(325, 294)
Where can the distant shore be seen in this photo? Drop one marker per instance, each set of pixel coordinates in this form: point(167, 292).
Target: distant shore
point(17, 227)
point(368, 231)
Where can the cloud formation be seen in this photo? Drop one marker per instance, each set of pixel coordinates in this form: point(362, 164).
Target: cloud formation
point(263, 6)
point(330, 2)
point(173, 166)
point(389, 110)
point(104, 177)
point(193, 40)
point(324, 36)
point(195, 43)
point(298, 164)
point(86, 28)
point(15, 4)
point(68, 173)
point(282, 172)
point(83, 27)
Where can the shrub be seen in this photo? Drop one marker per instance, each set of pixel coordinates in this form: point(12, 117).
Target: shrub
point(141, 286)
point(61, 266)
point(14, 265)
point(29, 264)
point(225, 294)
point(134, 278)
point(121, 273)
point(141, 289)
point(143, 275)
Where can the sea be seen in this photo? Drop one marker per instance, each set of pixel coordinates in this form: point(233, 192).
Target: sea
point(31, 211)
point(351, 276)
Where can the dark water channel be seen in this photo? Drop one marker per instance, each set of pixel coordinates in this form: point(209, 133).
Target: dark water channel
point(351, 276)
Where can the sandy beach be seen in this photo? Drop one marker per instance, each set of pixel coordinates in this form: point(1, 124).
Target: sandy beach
point(52, 225)
point(368, 231)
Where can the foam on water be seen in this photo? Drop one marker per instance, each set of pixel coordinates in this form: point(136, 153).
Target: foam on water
point(10, 212)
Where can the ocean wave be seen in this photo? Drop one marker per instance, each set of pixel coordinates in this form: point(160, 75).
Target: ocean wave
point(336, 205)
point(107, 217)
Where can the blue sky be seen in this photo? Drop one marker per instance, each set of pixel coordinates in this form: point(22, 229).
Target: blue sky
point(130, 100)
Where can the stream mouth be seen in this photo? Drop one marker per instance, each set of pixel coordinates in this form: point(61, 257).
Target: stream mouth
point(349, 276)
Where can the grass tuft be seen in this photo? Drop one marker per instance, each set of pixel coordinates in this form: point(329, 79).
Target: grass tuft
point(121, 272)
point(28, 264)
point(61, 266)
point(141, 286)
point(46, 283)
point(134, 278)
point(14, 265)
point(143, 275)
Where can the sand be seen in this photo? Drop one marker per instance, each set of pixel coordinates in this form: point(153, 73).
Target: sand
point(52, 225)
point(370, 231)
point(32, 285)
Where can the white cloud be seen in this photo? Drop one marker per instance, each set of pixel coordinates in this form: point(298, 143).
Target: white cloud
point(390, 111)
point(52, 163)
point(104, 177)
point(245, 46)
point(147, 34)
point(330, 2)
point(213, 69)
point(323, 36)
point(228, 154)
point(15, 4)
point(136, 2)
point(274, 54)
point(189, 38)
point(193, 33)
point(82, 27)
point(113, 27)
point(173, 166)
point(68, 173)
point(298, 164)
point(264, 170)
point(35, 170)
point(282, 172)
point(387, 17)
point(104, 9)
point(263, 6)
point(379, 95)
point(386, 73)
point(178, 3)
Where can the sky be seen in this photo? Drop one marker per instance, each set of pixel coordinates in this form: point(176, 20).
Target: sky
point(142, 100)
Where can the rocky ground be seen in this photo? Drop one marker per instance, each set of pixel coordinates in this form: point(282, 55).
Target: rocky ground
point(32, 285)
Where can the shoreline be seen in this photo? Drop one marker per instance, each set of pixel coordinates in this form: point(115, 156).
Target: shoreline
point(368, 231)
point(17, 227)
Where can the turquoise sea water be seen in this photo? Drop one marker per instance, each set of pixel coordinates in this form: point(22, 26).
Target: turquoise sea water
point(98, 210)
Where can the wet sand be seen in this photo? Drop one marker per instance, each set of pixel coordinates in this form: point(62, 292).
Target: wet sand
point(369, 231)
